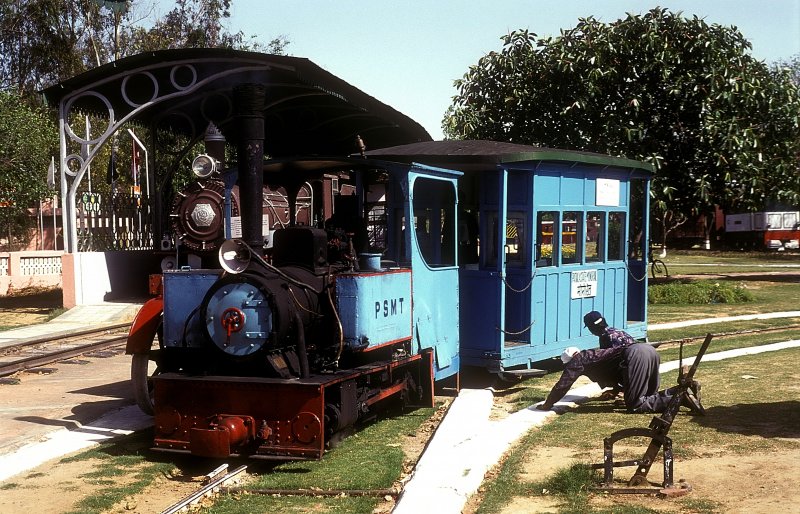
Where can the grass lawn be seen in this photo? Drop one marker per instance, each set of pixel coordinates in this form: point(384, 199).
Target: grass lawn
point(749, 400)
point(749, 411)
point(773, 294)
point(707, 263)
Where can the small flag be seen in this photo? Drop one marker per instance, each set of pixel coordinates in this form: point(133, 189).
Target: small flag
point(116, 6)
point(135, 159)
point(112, 167)
point(51, 173)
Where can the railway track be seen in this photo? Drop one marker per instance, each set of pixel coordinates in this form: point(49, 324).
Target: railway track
point(38, 352)
point(675, 342)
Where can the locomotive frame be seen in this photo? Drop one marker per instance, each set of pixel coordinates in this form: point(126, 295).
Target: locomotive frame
point(275, 353)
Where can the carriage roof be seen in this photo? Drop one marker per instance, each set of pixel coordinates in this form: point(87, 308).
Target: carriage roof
point(475, 155)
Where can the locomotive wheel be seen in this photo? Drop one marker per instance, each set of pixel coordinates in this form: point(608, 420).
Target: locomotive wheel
point(142, 371)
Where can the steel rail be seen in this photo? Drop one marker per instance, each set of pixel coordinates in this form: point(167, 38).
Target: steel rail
point(724, 334)
point(378, 493)
point(58, 355)
point(66, 334)
point(203, 491)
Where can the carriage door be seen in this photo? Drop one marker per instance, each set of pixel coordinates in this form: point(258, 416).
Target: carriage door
point(432, 241)
point(518, 261)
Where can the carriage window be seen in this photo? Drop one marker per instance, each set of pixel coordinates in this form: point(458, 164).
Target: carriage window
point(515, 239)
point(544, 238)
point(616, 236)
point(571, 237)
point(434, 221)
point(595, 236)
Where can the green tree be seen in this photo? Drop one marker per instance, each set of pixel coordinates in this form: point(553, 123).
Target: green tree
point(195, 24)
point(47, 41)
point(720, 126)
point(43, 41)
point(28, 139)
point(792, 66)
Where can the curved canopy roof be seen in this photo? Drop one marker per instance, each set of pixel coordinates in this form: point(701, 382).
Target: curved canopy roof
point(307, 110)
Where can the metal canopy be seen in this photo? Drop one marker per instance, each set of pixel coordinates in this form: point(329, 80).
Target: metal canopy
point(307, 111)
point(480, 155)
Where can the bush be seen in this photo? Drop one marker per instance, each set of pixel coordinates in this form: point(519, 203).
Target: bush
point(704, 292)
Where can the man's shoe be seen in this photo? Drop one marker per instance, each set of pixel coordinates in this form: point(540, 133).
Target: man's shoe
point(695, 387)
point(692, 403)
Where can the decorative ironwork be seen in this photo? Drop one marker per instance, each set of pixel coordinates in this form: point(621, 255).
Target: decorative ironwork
point(123, 223)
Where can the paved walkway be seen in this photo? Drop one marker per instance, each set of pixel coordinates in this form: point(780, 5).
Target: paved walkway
point(85, 401)
point(79, 318)
point(723, 319)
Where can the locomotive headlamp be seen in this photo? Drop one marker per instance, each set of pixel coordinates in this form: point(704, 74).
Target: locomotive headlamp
point(204, 165)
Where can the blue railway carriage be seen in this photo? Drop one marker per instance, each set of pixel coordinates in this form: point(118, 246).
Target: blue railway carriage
point(544, 237)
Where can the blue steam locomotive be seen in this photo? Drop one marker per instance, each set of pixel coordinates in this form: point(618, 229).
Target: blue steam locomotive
point(390, 263)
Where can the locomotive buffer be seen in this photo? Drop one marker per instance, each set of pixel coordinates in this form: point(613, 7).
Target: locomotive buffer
point(657, 432)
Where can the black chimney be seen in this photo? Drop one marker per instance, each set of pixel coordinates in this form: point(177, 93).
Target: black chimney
point(249, 102)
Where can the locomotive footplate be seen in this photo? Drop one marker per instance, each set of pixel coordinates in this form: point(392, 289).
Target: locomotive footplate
point(283, 419)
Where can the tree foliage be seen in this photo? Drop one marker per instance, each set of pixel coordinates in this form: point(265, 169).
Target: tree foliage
point(720, 126)
point(27, 138)
point(43, 41)
point(46, 41)
point(790, 66)
point(195, 24)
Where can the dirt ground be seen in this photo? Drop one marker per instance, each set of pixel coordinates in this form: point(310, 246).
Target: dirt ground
point(759, 483)
point(28, 307)
point(737, 484)
point(756, 483)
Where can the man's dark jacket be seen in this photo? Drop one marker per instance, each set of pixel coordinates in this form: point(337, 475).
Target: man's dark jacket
point(601, 365)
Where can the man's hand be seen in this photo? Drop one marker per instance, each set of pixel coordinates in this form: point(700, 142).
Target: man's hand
point(608, 395)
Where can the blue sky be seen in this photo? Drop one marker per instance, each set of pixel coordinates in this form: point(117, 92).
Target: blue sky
point(408, 53)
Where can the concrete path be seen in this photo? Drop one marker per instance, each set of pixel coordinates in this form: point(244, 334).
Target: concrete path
point(724, 319)
point(63, 441)
point(467, 444)
point(84, 402)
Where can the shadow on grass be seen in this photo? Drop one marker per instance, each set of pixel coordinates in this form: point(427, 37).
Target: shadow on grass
point(783, 276)
point(768, 420)
point(43, 299)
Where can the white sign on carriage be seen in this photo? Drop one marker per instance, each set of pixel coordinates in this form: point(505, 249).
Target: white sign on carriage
point(584, 283)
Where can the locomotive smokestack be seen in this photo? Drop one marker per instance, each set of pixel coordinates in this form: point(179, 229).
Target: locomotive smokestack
point(249, 102)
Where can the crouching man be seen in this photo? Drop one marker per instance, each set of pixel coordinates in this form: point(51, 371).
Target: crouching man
point(621, 363)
